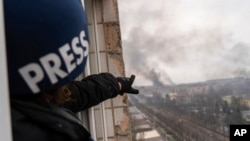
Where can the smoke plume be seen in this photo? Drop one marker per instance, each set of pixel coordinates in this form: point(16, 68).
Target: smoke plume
point(157, 48)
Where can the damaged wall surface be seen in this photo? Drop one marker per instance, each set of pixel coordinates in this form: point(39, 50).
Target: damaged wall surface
point(109, 120)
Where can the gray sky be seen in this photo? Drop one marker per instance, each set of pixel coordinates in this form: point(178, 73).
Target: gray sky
point(182, 41)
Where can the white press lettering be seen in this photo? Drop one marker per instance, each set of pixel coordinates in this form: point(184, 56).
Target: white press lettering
point(52, 63)
point(84, 43)
point(72, 54)
point(32, 79)
point(78, 50)
point(67, 57)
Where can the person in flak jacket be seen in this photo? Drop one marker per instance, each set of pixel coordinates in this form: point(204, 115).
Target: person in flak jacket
point(47, 48)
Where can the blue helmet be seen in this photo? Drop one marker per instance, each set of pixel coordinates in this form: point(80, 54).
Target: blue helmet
point(47, 44)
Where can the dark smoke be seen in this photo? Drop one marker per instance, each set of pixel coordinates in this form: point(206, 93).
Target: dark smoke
point(139, 49)
point(207, 50)
point(156, 78)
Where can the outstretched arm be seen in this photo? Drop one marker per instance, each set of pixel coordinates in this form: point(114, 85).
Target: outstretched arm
point(92, 90)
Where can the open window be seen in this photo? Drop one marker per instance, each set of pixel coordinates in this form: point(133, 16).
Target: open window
point(109, 120)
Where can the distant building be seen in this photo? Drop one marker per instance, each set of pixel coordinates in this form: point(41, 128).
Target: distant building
point(227, 98)
point(246, 115)
point(198, 89)
point(172, 96)
point(179, 98)
point(245, 100)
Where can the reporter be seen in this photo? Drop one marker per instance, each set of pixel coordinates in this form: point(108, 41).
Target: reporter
point(47, 48)
point(51, 115)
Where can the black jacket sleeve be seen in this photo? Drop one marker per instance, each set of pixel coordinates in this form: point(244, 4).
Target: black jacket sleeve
point(91, 91)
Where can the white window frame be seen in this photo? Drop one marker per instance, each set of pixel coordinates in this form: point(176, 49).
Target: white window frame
point(92, 116)
point(5, 129)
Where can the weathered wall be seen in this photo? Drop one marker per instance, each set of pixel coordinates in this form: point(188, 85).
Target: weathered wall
point(105, 35)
